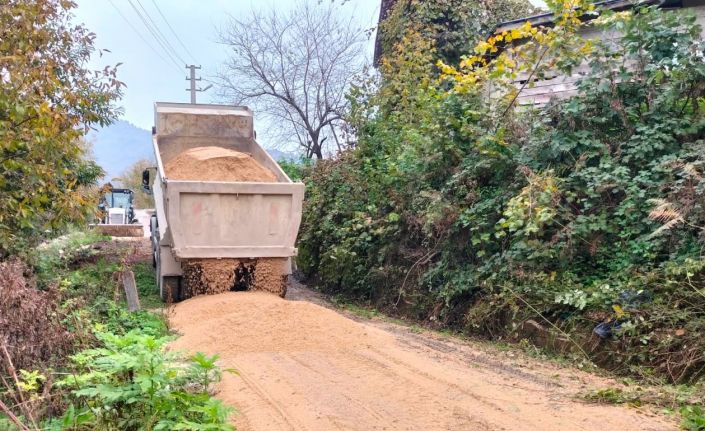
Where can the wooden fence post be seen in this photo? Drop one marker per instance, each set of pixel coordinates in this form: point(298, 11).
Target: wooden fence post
point(128, 282)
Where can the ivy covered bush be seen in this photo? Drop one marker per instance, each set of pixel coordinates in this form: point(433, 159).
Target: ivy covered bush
point(460, 207)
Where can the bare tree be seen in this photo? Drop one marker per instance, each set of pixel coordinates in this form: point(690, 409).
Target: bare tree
point(131, 178)
point(295, 66)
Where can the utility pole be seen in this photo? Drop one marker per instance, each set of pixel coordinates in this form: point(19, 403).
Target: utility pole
point(192, 77)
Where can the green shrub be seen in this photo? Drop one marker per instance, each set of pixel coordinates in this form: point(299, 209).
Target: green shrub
point(122, 376)
point(465, 211)
point(48, 102)
point(133, 383)
point(693, 418)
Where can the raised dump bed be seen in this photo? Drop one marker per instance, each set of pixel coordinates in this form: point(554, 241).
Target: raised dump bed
point(217, 224)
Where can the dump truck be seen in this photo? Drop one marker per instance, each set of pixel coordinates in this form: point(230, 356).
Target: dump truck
point(198, 221)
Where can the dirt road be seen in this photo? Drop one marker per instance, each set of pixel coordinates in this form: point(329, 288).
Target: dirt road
point(306, 367)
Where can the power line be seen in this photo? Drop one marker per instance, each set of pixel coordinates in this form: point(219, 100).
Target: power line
point(159, 32)
point(146, 42)
point(154, 35)
point(176, 35)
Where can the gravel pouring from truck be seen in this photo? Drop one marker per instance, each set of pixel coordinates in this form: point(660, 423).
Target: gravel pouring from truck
point(233, 223)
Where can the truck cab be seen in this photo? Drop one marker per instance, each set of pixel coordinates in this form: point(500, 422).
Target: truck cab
point(117, 206)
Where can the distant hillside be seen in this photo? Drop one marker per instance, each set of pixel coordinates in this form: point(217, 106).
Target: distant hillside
point(121, 144)
point(281, 155)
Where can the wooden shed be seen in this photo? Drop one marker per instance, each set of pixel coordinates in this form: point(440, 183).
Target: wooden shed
point(561, 85)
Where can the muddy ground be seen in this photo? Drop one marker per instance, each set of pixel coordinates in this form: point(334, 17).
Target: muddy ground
point(305, 366)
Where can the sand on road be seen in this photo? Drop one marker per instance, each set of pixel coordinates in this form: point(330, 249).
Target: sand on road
point(303, 366)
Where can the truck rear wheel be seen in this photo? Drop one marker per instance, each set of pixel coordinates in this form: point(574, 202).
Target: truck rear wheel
point(153, 237)
point(170, 289)
point(169, 286)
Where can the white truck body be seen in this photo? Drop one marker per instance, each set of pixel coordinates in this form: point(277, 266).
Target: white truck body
point(214, 219)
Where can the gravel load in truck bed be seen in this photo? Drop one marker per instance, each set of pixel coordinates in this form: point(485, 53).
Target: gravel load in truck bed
point(217, 164)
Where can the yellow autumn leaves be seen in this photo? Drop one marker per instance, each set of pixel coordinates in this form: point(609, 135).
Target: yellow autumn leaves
point(506, 55)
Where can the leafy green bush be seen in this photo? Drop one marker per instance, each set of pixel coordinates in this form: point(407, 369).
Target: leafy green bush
point(147, 285)
point(465, 211)
point(295, 168)
point(60, 253)
point(122, 377)
point(132, 382)
point(50, 98)
point(693, 418)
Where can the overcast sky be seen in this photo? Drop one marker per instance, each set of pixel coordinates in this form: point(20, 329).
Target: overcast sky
point(149, 73)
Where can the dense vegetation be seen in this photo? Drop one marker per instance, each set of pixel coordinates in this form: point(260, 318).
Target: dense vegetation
point(74, 358)
point(457, 207)
point(452, 26)
point(71, 356)
point(48, 97)
point(460, 208)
